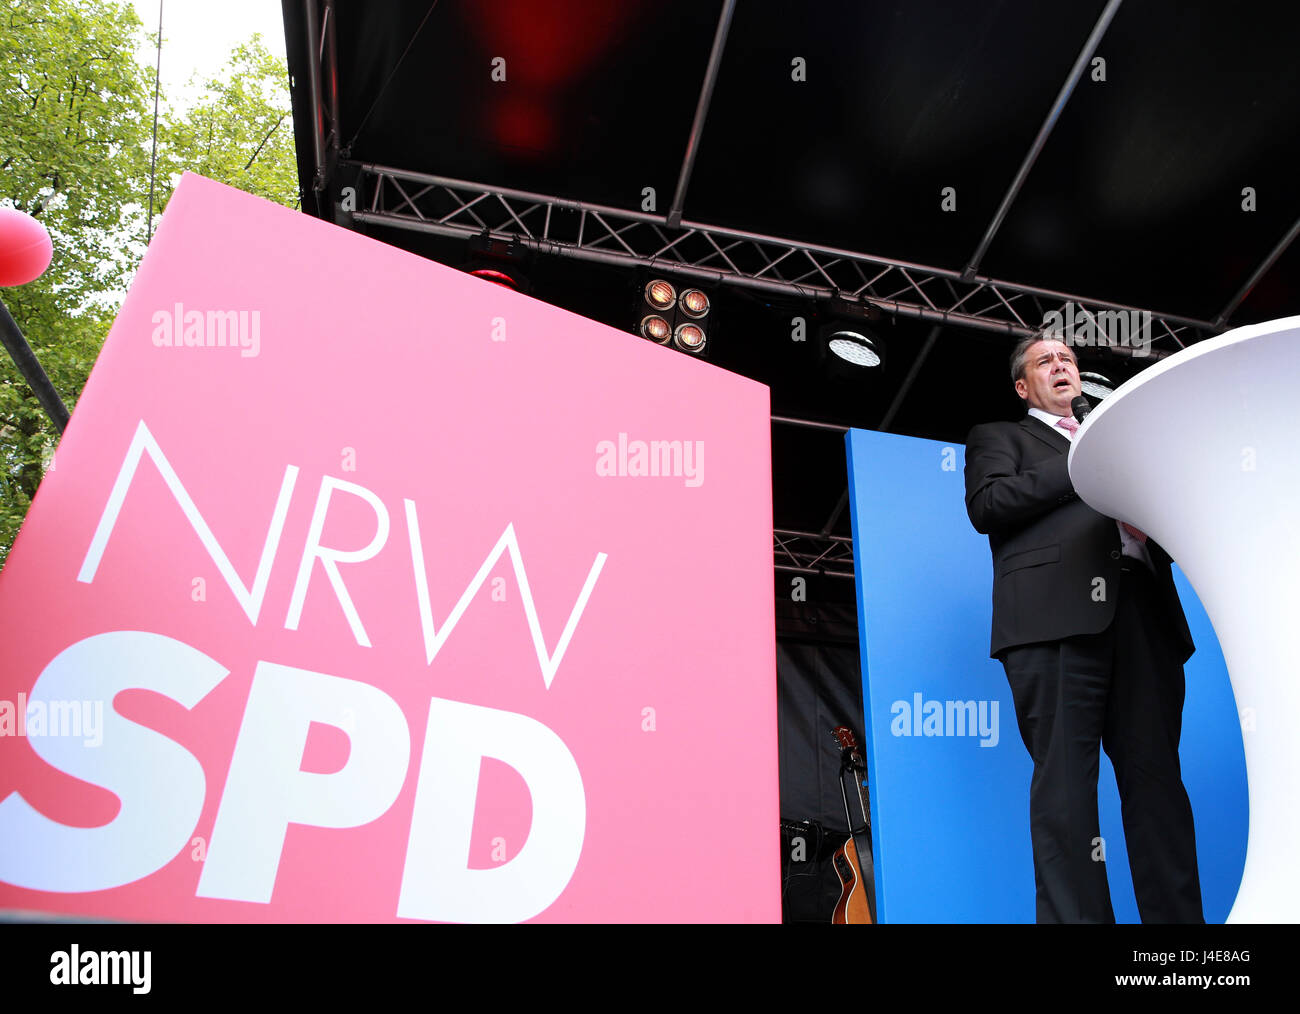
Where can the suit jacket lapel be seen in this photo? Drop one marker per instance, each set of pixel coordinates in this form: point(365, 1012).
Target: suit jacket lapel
point(1038, 428)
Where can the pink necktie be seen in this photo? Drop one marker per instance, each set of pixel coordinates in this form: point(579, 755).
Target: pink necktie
point(1139, 535)
point(1069, 424)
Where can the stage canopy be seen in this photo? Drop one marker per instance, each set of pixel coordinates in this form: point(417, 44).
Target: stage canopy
point(952, 171)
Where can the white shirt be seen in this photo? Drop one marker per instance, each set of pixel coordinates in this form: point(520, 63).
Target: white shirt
point(1129, 546)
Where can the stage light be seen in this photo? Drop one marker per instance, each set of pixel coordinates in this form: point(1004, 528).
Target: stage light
point(673, 313)
point(660, 294)
point(1095, 385)
point(689, 337)
point(656, 329)
point(857, 346)
point(695, 304)
point(500, 277)
point(849, 353)
point(501, 261)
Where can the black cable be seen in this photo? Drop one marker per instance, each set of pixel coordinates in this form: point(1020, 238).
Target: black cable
point(153, 158)
point(276, 127)
point(388, 81)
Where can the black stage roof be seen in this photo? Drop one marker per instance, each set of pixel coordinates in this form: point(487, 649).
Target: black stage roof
point(1097, 152)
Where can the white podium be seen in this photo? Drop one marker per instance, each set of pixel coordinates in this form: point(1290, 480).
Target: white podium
point(1202, 452)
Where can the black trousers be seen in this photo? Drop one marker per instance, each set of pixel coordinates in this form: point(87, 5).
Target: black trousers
point(1122, 689)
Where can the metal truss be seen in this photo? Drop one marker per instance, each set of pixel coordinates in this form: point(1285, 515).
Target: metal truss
point(812, 553)
point(449, 207)
point(801, 271)
point(319, 17)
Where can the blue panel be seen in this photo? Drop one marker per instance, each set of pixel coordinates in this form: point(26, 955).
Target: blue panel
point(950, 797)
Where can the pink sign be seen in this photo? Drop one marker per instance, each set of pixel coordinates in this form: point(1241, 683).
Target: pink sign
point(362, 589)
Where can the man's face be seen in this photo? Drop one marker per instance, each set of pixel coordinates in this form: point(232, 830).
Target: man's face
point(1051, 379)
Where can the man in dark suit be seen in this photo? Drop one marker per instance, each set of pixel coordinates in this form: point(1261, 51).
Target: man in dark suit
point(1088, 626)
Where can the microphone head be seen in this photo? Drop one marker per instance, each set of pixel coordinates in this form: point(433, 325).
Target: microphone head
point(1080, 407)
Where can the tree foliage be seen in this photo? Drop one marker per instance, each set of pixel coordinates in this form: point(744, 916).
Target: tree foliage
point(241, 130)
point(76, 130)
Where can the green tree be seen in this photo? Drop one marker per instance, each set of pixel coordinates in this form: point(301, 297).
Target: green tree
point(72, 150)
point(76, 111)
point(240, 131)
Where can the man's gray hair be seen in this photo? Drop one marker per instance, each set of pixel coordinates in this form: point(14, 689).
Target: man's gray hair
point(1020, 354)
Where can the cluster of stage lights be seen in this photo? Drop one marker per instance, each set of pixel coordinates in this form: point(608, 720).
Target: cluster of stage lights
point(674, 317)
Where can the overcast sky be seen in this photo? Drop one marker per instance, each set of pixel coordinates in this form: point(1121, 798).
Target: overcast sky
point(198, 35)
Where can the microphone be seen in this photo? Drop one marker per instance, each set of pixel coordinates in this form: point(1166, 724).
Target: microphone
point(1080, 407)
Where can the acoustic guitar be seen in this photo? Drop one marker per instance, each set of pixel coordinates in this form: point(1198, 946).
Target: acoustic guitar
point(854, 906)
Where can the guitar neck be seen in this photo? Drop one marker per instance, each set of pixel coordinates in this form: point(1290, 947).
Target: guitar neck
point(851, 761)
point(857, 769)
point(862, 801)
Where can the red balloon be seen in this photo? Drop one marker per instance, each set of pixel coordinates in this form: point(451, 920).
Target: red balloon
point(25, 248)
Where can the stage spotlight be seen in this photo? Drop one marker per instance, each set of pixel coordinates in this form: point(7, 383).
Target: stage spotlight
point(689, 337)
point(656, 329)
point(504, 262)
point(500, 277)
point(849, 353)
point(1095, 385)
point(660, 294)
point(695, 304)
point(855, 345)
point(670, 313)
